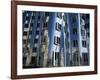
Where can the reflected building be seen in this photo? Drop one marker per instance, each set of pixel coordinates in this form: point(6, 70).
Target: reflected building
point(78, 39)
point(35, 39)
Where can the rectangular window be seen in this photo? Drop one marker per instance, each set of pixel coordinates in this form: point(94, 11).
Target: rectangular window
point(35, 40)
point(39, 17)
point(34, 49)
point(33, 17)
point(85, 58)
point(88, 34)
point(37, 32)
point(83, 43)
point(45, 26)
point(58, 26)
point(56, 55)
point(75, 43)
point(27, 18)
point(82, 32)
point(76, 58)
point(43, 40)
point(74, 31)
point(24, 33)
point(56, 40)
point(46, 13)
point(24, 41)
point(74, 19)
point(26, 26)
point(38, 24)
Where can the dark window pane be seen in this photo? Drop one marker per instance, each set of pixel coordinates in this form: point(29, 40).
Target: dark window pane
point(83, 43)
point(74, 19)
point(35, 40)
point(47, 14)
point(37, 32)
point(33, 61)
point(75, 43)
point(27, 18)
point(33, 17)
point(39, 17)
point(45, 26)
point(74, 31)
point(34, 49)
point(26, 25)
point(38, 24)
point(24, 33)
point(85, 58)
point(24, 41)
point(58, 26)
point(56, 55)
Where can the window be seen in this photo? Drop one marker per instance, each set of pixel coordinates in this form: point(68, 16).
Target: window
point(37, 32)
point(47, 14)
point(24, 41)
point(76, 57)
point(33, 60)
point(26, 25)
point(38, 24)
point(74, 19)
point(82, 32)
point(85, 58)
point(56, 40)
point(56, 55)
point(43, 40)
point(75, 43)
point(87, 16)
point(88, 34)
point(24, 33)
point(83, 43)
point(27, 17)
point(33, 17)
point(58, 26)
point(39, 17)
point(34, 49)
point(35, 40)
point(74, 31)
point(45, 25)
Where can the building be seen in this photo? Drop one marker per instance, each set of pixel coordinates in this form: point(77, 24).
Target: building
point(55, 39)
point(78, 39)
point(35, 39)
